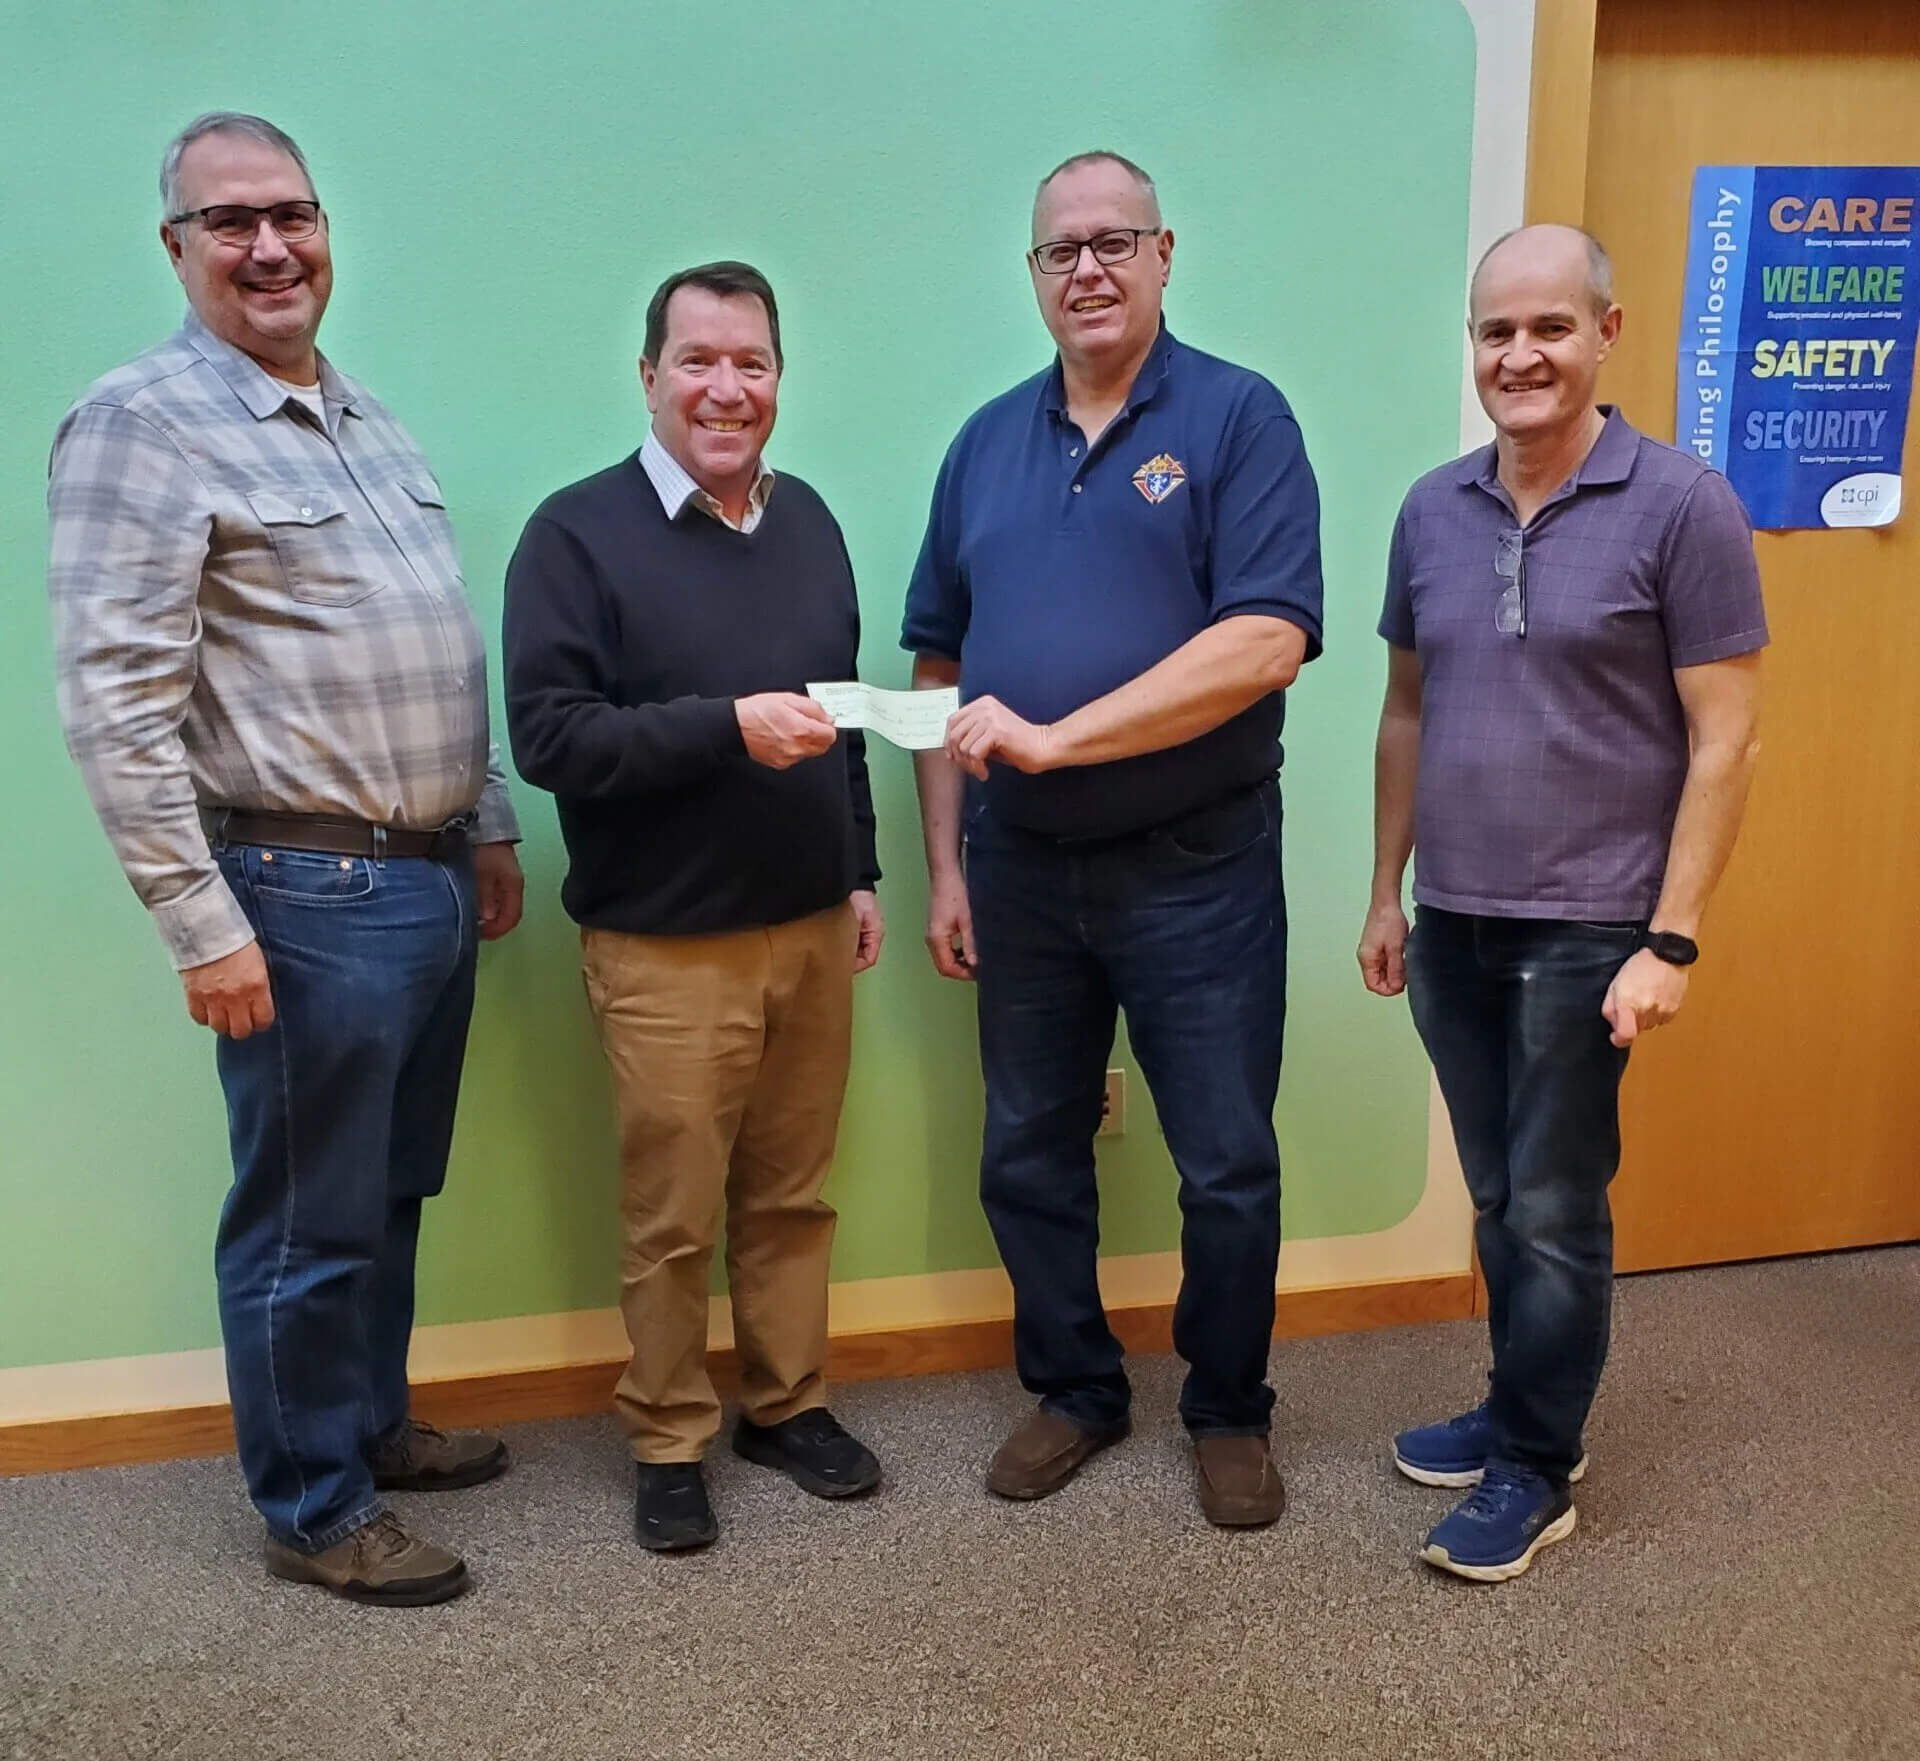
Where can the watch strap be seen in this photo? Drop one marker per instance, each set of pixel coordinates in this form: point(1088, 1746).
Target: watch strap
point(1674, 949)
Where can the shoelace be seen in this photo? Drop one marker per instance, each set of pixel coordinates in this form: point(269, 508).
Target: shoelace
point(1499, 1488)
point(817, 1425)
point(385, 1536)
point(680, 1488)
point(399, 1447)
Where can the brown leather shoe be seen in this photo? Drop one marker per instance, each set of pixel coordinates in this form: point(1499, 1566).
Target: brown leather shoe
point(417, 1458)
point(1045, 1453)
point(1239, 1486)
point(380, 1563)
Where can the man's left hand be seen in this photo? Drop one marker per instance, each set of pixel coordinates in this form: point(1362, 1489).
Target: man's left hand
point(500, 887)
point(1645, 993)
point(871, 923)
point(987, 729)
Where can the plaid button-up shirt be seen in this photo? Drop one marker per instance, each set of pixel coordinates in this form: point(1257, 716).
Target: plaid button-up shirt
point(253, 609)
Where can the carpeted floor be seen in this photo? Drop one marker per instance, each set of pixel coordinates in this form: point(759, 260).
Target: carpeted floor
point(1745, 1581)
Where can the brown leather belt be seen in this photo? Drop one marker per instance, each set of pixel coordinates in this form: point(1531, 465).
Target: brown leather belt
point(334, 837)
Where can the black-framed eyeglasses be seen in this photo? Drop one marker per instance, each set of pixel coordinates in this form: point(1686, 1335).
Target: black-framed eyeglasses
point(234, 223)
point(1509, 563)
point(1061, 256)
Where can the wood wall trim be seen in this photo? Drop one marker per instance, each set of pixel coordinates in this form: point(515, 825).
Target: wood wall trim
point(577, 1390)
point(1480, 1298)
point(47, 1446)
point(1560, 113)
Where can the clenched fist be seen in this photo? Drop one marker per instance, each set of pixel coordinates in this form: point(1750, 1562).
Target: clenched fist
point(231, 995)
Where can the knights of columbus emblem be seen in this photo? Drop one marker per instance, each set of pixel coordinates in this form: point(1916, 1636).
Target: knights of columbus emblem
point(1159, 477)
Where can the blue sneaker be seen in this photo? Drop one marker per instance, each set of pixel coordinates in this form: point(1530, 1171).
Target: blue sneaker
point(1453, 1452)
point(1493, 1533)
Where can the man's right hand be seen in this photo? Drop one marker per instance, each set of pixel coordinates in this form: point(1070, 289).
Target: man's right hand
point(950, 928)
point(1383, 951)
point(783, 727)
point(231, 995)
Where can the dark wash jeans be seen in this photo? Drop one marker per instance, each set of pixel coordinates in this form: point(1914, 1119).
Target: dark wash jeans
point(1185, 928)
point(341, 1116)
point(1509, 1009)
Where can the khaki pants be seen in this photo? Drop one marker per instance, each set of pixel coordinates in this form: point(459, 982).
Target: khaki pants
point(729, 1056)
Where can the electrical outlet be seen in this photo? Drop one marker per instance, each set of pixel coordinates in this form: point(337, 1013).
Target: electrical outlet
point(1113, 1105)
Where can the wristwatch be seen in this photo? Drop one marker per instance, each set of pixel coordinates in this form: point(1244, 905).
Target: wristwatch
point(1676, 950)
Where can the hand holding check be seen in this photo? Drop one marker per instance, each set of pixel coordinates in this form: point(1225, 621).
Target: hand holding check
point(988, 730)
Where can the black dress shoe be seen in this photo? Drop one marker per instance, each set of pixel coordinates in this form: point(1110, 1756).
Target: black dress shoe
point(670, 1510)
point(813, 1451)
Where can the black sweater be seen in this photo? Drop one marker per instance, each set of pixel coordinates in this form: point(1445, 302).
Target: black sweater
point(628, 637)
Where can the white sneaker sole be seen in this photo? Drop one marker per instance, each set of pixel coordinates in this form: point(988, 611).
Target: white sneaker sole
point(1558, 1530)
point(1471, 1477)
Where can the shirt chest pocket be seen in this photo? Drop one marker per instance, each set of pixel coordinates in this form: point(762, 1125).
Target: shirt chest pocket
point(313, 538)
point(433, 539)
point(1162, 516)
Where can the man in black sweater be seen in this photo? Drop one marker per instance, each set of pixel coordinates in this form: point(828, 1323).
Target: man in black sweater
point(662, 619)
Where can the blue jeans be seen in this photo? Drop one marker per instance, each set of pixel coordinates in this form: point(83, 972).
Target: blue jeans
point(341, 1116)
point(1509, 1009)
point(1185, 928)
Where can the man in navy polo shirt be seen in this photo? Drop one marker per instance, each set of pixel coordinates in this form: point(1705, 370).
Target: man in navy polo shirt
point(1122, 572)
point(1575, 622)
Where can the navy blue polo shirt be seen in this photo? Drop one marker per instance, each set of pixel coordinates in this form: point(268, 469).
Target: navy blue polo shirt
point(1055, 573)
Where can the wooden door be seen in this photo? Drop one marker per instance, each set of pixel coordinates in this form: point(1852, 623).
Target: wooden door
point(1781, 1112)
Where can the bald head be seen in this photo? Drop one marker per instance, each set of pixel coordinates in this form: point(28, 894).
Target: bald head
point(1113, 169)
point(1550, 250)
point(1100, 291)
point(1542, 322)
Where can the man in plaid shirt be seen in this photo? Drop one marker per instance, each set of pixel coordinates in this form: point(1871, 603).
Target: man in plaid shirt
point(274, 688)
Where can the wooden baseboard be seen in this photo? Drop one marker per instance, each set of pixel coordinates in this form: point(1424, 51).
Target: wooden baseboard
point(49, 1446)
point(579, 1389)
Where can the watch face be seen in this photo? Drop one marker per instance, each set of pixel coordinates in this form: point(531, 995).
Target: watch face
point(1676, 950)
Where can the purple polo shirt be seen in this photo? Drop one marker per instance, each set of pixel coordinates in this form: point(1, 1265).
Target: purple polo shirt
point(1551, 764)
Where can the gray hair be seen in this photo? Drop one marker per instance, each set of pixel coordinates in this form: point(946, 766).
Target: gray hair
point(222, 122)
point(1599, 264)
point(1101, 156)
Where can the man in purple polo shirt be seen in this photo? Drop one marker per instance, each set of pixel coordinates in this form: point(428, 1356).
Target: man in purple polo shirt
point(1574, 620)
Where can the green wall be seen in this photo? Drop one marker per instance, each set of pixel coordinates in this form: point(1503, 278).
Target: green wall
point(507, 183)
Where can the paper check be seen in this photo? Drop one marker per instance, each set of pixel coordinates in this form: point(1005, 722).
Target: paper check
point(914, 720)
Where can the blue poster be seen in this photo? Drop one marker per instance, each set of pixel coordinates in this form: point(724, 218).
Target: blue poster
point(1797, 338)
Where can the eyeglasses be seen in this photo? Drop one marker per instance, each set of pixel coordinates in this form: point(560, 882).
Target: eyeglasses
point(1510, 615)
point(234, 223)
point(1061, 256)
